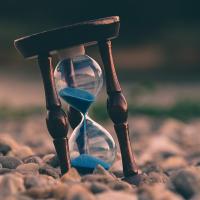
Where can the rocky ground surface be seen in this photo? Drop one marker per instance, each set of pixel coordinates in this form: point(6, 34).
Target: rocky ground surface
point(167, 151)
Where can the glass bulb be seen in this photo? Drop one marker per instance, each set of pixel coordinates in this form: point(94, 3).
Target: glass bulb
point(78, 71)
point(90, 144)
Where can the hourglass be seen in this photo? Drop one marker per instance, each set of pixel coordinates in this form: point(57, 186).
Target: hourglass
point(77, 79)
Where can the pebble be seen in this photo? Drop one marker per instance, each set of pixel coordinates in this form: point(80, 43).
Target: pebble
point(33, 159)
point(120, 185)
point(5, 171)
point(31, 181)
point(71, 176)
point(51, 159)
point(117, 169)
point(21, 152)
point(173, 163)
point(186, 182)
point(151, 167)
point(5, 139)
point(72, 192)
point(4, 148)
point(28, 168)
point(163, 161)
point(96, 187)
point(156, 192)
point(97, 178)
point(152, 178)
point(39, 192)
point(172, 129)
point(100, 170)
point(11, 184)
point(158, 145)
point(135, 180)
point(116, 196)
point(10, 162)
point(50, 171)
point(17, 197)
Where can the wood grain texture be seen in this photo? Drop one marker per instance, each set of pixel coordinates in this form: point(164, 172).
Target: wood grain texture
point(63, 37)
point(56, 120)
point(118, 109)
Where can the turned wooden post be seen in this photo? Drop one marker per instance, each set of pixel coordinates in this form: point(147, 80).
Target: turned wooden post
point(117, 109)
point(56, 118)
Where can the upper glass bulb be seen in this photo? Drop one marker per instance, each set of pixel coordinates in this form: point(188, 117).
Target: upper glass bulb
point(78, 70)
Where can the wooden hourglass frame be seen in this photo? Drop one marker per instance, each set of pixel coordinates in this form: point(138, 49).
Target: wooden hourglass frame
point(42, 45)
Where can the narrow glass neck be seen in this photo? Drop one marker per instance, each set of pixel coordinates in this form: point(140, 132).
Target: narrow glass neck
point(71, 52)
point(86, 114)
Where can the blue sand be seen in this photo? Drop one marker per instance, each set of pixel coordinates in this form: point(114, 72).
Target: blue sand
point(77, 98)
point(80, 100)
point(86, 163)
point(81, 140)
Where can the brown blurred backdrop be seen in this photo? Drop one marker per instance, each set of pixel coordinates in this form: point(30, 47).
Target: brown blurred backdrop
point(157, 54)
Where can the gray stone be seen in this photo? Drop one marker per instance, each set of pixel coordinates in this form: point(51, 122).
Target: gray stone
point(5, 171)
point(159, 144)
point(50, 171)
point(5, 139)
point(154, 177)
point(116, 196)
point(31, 181)
point(186, 182)
point(71, 176)
point(60, 192)
point(100, 170)
point(11, 184)
point(33, 159)
point(118, 173)
point(98, 178)
point(120, 185)
point(136, 179)
point(16, 197)
point(21, 152)
point(96, 187)
point(156, 192)
point(151, 167)
point(173, 163)
point(51, 159)
point(9, 162)
point(29, 168)
point(4, 148)
point(39, 192)
point(72, 192)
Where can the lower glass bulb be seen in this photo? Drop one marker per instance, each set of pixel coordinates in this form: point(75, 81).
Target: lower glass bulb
point(91, 145)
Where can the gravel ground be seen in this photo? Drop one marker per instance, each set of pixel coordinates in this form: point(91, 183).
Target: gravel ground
point(169, 164)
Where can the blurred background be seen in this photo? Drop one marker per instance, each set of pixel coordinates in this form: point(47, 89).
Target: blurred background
point(157, 55)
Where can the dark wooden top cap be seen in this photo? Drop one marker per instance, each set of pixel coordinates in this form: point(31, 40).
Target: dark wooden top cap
point(63, 37)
